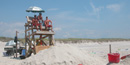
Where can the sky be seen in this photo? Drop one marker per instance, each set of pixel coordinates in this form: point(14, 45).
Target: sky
point(71, 18)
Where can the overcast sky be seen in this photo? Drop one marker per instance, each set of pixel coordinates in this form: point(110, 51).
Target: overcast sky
point(71, 18)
